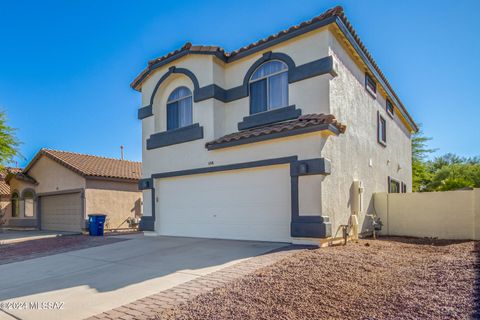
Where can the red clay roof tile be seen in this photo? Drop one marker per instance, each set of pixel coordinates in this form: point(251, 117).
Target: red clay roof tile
point(308, 120)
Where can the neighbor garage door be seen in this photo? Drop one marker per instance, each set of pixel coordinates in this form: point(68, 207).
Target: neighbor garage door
point(248, 204)
point(62, 212)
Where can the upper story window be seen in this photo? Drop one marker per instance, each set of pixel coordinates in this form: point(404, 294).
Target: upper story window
point(393, 186)
point(28, 200)
point(15, 205)
point(370, 85)
point(269, 87)
point(390, 108)
point(381, 130)
point(179, 108)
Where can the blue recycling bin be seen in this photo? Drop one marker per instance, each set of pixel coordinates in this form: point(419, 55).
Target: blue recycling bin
point(96, 224)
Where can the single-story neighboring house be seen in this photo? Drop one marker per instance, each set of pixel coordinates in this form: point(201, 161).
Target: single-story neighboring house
point(285, 138)
point(58, 189)
point(5, 195)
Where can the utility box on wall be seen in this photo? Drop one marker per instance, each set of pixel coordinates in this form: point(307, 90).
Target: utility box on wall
point(357, 197)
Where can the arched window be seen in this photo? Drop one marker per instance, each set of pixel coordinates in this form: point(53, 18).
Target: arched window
point(179, 108)
point(28, 201)
point(15, 205)
point(269, 87)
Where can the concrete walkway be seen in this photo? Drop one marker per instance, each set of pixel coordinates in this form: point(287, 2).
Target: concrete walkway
point(8, 236)
point(90, 281)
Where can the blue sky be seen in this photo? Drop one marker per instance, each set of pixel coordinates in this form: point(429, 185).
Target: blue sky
point(66, 66)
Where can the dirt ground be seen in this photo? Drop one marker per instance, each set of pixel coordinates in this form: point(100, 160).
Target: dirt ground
point(43, 247)
point(390, 278)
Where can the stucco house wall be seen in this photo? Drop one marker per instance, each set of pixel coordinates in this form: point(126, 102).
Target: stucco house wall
point(118, 199)
point(118, 205)
point(354, 155)
point(5, 209)
point(357, 155)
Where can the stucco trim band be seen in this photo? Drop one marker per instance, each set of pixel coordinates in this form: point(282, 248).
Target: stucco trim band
point(270, 116)
point(295, 73)
point(176, 136)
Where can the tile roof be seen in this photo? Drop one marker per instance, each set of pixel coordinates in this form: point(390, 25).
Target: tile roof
point(229, 56)
point(4, 187)
point(92, 166)
point(308, 120)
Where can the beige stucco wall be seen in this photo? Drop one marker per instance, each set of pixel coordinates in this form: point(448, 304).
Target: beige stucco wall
point(356, 155)
point(116, 204)
point(21, 186)
point(5, 209)
point(445, 215)
point(52, 176)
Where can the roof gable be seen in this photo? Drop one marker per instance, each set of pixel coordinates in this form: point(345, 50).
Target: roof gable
point(89, 166)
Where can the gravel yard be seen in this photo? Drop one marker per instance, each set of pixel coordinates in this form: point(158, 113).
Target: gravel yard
point(391, 278)
point(43, 247)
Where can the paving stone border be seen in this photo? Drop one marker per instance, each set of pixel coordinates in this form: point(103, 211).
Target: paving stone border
point(150, 307)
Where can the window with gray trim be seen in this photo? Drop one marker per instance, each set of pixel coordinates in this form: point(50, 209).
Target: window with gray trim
point(269, 87)
point(179, 108)
point(381, 130)
point(393, 186)
point(28, 202)
point(390, 108)
point(15, 205)
point(370, 85)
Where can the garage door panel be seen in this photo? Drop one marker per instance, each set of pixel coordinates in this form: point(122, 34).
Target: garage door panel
point(62, 212)
point(252, 204)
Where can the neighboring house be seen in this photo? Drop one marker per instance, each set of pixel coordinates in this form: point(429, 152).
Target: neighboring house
point(58, 189)
point(284, 138)
point(5, 195)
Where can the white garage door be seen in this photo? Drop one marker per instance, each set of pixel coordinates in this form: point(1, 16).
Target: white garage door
point(249, 204)
point(62, 212)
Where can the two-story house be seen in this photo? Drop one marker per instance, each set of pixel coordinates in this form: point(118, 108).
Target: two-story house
point(285, 138)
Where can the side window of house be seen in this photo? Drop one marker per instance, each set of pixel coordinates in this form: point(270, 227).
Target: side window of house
point(28, 200)
point(370, 85)
point(381, 130)
point(390, 108)
point(269, 87)
point(179, 108)
point(393, 186)
point(15, 205)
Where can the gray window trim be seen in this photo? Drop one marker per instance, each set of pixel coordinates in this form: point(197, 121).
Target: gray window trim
point(270, 116)
point(295, 73)
point(379, 140)
point(175, 136)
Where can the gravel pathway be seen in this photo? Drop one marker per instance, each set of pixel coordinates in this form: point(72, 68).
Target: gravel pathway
point(394, 278)
point(31, 249)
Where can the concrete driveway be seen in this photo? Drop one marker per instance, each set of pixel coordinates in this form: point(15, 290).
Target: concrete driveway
point(90, 281)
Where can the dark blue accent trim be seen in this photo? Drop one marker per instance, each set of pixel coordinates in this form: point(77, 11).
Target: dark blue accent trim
point(145, 184)
point(147, 224)
point(145, 112)
point(310, 167)
point(301, 226)
point(175, 136)
point(313, 69)
point(173, 70)
point(308, 70)
point(271, 116)
point(228, 167)
point(311, 229)
point(275, 135)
